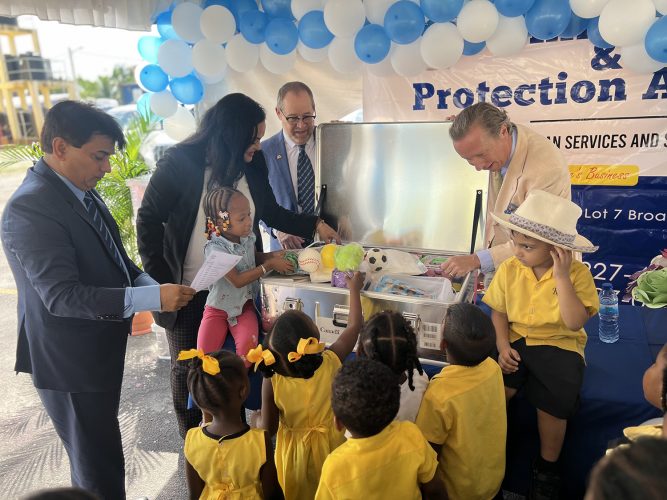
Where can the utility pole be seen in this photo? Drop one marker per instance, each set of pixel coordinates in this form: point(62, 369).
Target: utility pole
point(70, 53)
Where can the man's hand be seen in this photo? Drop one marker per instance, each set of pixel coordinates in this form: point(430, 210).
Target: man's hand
point(327, 233)
point(456, 267)
point(289, 241)
point(173, 297)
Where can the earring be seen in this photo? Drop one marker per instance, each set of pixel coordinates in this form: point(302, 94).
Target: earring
point(225, 219)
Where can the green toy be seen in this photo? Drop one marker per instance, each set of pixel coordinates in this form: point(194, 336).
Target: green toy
point(292, 257)
point(348, 257)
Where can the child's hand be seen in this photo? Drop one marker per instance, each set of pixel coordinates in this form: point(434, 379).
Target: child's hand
point(509, 359)
point(281, 265)
point(562, 262)
point(356, 282)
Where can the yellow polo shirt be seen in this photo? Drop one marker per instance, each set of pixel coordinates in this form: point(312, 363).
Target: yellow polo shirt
point(532, 305)
point(464, 411)
point(391, 464)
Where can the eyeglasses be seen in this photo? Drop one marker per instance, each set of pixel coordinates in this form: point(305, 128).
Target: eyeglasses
point(305, 119)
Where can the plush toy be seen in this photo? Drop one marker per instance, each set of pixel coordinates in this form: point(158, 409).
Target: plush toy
point(376, 259)
point(348, 257)
point(327, 254)
point(310, 260)
point(293, 258)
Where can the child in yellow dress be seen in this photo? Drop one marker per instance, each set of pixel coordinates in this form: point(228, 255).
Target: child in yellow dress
point(225, 458)
point(296, 395)
point(383, 458)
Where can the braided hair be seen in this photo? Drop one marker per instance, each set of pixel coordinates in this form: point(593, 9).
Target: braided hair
point(215, 391)
point(389, 338)
point(469, 334)
point(289, 328)
point(216, 200)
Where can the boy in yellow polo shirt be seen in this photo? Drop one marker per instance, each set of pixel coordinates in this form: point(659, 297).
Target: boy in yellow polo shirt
point(463, 412)
point(541, 299)
point(384, 458)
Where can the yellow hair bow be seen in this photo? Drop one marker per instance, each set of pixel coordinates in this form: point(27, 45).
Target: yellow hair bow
point(209, 364)
point(305, 346)
point(257, 355)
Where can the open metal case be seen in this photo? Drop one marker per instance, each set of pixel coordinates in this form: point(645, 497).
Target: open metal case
point(389, 185)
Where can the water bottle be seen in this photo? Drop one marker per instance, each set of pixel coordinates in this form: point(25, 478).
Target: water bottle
point(608, 314)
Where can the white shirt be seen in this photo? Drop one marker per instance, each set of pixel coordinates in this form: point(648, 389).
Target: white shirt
point(293, 158)
point(411, 400)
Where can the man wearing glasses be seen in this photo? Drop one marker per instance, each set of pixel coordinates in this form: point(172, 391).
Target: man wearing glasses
point(291, 158)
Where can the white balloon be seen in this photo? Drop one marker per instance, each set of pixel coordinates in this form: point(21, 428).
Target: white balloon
point(477, 20)
point(635, 58)
point(209, 58)
point(342, 56)
point(217, 24)
point(376, 9)
point(276, 63)
point(210, 80)
point(137, 71)
point(242, 55)
point(344, 17)
point(407, 59)
point(310, 54)
point(661, 6)
point(180, 125)
point(213, 93)
point(587, 8)
point(185, 20)
point(625, 22)
point(442, 45)
point(163, 104)
point(510, 38)
point(301, 7)
point(175, 58)
point(384, 67)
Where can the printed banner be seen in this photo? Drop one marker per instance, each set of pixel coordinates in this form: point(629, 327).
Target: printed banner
point(610, 124)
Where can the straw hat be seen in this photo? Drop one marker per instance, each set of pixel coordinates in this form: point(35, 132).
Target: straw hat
point(549, 218)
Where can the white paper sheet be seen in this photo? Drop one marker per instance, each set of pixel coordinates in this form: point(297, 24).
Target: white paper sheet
point(215, 266)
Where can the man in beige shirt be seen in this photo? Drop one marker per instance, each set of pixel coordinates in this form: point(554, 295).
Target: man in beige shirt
point(518, 161)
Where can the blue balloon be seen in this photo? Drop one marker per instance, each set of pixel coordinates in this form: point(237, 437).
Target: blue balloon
point(372, 44)
point(513, 8)
point(594, 35)
point(278, 8)
point(164, 26)
point(281, 35)
point(404, 22)
point(153, 78)
point(547, 19)
point(252, 25)
point(656, 40)
point(470, 49)
point(312, 30)
point(148, 47)
point(576, 27)
point(187, 89)
point(441, 11)
point(144, 105)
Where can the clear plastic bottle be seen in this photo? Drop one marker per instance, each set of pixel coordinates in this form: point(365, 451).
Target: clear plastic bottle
point(608, 314)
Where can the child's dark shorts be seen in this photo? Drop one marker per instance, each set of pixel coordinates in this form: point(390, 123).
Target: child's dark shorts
point(551, 377)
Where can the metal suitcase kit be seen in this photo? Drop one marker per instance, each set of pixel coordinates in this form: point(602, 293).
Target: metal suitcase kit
point(389, 185)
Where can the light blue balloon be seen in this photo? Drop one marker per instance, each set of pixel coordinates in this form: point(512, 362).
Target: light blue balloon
point(278, 8)
point(404, 22)
point(372, 44)
point(594, 35)
point(470, 49)
point(656, 40)
point(313, 32)
point(441, 11)
point(547, 19)
point(164, 26)
point(252, 25)
point(513, 8)
point(281, 35)
point(148, 47)
point(153, 78)
point(576, 27)
point(187, 89)
point(144, 105)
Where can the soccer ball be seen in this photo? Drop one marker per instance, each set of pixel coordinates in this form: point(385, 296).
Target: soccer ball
point(377, 259)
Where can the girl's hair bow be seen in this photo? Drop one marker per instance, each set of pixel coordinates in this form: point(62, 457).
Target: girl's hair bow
point(257, 355)
point(209, 364)
point(305, 346)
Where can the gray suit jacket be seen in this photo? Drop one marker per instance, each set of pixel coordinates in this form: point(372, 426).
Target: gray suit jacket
point(71, 331)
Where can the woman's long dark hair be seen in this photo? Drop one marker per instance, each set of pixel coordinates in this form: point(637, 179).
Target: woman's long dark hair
point(224, 133)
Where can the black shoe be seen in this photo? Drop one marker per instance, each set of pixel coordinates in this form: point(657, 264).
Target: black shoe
point(544, 485)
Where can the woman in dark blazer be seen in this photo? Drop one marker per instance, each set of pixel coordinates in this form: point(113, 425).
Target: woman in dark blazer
point(224, 151)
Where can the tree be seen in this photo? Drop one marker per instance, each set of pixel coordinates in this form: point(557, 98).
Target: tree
point(108, 85)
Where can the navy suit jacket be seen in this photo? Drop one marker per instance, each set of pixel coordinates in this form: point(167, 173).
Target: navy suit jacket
point(71, 331)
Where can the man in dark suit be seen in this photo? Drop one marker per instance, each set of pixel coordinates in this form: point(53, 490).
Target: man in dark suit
point(77, 291)
point(292, 158)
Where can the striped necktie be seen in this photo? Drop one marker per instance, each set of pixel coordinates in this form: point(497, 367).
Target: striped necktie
point(305, 182)
point(102, 228)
